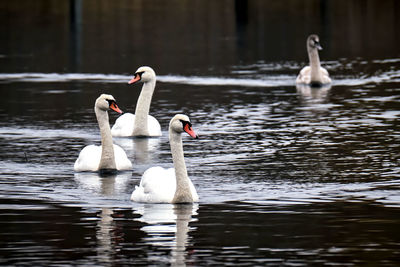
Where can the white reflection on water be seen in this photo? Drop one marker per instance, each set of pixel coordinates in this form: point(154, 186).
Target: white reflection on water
point(110, 186)
point(141, 149)
point(168, 225)
point(312, 94)
point(104, 230)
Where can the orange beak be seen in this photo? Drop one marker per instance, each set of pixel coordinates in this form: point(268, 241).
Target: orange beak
point(134, 79)
point(114, 107)
point(190, 131)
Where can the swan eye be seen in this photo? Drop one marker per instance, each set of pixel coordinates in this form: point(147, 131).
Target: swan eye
point(140, 73)
point(113, 105)
point(184, 123)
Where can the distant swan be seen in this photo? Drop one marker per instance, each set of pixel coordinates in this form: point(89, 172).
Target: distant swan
point(140, 124)
point(313, 75)
point(159, 185)
point(107, 158)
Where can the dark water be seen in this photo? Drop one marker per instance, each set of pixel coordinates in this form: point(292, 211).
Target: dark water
point(286, 176)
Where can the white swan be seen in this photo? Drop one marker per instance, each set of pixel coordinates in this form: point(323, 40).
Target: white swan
point(107, 157)
point(140, 124)
point(159, 185)
point(313, 75)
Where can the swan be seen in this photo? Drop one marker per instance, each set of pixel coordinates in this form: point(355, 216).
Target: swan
point(107, 158)
point(140, 124)
point(313, 75)
point(159, 185)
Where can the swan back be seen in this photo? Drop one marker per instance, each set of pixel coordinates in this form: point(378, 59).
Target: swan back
point(158, 185)
point(124, 126)
point(89, 159)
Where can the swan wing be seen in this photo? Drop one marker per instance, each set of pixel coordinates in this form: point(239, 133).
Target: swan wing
point(325, 76)
point(154, 126)
point(304, 75)
point(123, 126)
point(121, 160)
point(324, 71)
point(158, 185)
point(88, 159)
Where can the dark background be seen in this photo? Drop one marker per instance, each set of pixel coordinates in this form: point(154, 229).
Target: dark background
point(188, 37)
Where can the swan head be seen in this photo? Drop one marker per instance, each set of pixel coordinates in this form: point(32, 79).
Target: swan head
point(106, 102)
point(313, 42)
point(181, 123)
point(143, 74)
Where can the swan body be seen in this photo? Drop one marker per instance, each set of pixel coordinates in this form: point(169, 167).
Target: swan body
point(124, 126)
point(159, 185)
point(140, 124)
point(107, 157)
point(313, 75)
point(89, 159)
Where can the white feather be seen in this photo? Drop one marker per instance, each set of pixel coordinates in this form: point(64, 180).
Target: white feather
point(124, 125)
point(89, 159)
point(158, 185)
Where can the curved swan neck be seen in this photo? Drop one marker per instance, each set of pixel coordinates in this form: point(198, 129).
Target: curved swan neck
point(182, 193)
point(314, 64)
point(140, 127)
point(107, 160)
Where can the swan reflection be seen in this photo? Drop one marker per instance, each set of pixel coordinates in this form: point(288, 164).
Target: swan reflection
point(313, 94)
point(168, 226)
point(112, 185)
point(139, 148)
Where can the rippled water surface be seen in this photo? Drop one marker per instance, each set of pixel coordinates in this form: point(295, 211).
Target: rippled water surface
point(286, 175)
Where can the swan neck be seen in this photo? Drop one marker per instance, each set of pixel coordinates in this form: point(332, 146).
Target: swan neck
point(140, 127)
point(315, 65)
point(182, 193)
point(107, 160)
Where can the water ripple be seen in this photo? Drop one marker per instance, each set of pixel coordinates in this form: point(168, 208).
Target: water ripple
point(257, 75)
